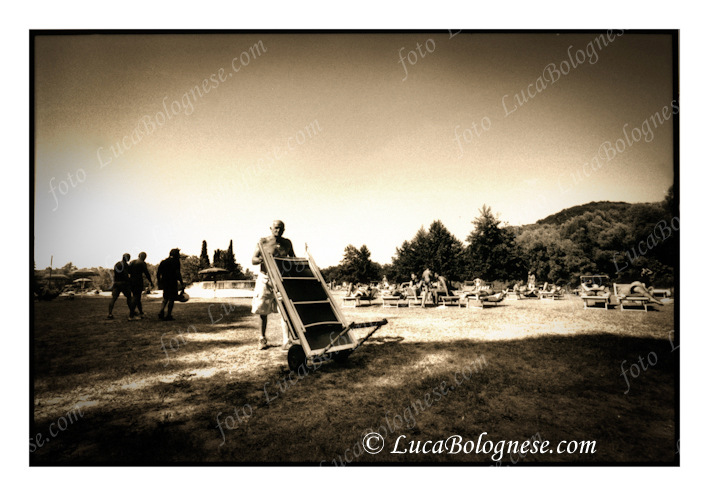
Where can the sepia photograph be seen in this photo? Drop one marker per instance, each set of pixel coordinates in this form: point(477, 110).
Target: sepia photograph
point(330, 248)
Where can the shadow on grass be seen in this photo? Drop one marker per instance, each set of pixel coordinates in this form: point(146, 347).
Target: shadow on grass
point(562, 387)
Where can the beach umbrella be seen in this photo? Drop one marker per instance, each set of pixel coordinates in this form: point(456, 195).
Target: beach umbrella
point(82, 281)
point(212, 273)
point(83, 273)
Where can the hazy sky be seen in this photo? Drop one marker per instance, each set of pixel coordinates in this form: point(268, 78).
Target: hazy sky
point(333, 135)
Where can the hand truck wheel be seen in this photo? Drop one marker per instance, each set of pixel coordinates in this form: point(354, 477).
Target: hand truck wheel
point(296, 357)
point(341, 356)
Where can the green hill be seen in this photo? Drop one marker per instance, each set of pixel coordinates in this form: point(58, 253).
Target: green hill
point(568, 213)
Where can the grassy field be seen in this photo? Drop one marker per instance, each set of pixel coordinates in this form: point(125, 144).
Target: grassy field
point(150, 392)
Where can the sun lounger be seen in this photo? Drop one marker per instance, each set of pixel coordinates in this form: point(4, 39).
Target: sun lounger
point(483, 301)
point(414, 301)
point(393, 302)
point(355, 301)
point(628, 300)
point(518, 295)
point(449, 300)
point(550, 295)
point(67, 295)
point(591, 301)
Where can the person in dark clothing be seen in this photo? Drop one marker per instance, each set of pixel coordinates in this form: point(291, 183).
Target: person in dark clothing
point(121, 284)
point(136, 270)
point(168, 277)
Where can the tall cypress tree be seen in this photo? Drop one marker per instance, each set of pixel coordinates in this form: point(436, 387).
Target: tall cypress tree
point(204, 256)
point(218, 259)
point(230, 263)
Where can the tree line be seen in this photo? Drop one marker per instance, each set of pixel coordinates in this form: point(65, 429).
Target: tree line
point(616, 239)
point(190, 266)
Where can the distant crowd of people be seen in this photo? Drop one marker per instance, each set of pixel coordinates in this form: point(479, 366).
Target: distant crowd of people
point(432, 286)
point(128, 280)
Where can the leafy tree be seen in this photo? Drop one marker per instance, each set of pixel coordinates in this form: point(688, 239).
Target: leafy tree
point(388, 271)
point(357, 266)
point(333, 273)
point(190, 268)
point(669, 204)
point(68, 269)
point(225, 260)
point(105, 279)
point(436, 249)
point(615, 239)
point(444, 251)
point(491, 253)
point(367, 270)
point(403, 263)
point(413, 256)
point(153, 269)
point(204, 256)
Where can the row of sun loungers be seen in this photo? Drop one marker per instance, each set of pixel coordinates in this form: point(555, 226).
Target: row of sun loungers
point(626, 299)
point(599, 300)
point(469, 301)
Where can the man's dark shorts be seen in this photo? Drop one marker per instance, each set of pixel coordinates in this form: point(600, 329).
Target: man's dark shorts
point(169, 291)
point(121, 287)
point(137, 290)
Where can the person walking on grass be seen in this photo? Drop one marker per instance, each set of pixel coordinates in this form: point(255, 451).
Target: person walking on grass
point(264, 302)
point(168, 277)
point(136, 269)
point(121, 284)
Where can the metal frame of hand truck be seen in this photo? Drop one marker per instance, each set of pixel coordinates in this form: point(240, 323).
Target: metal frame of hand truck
point(341, 346)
